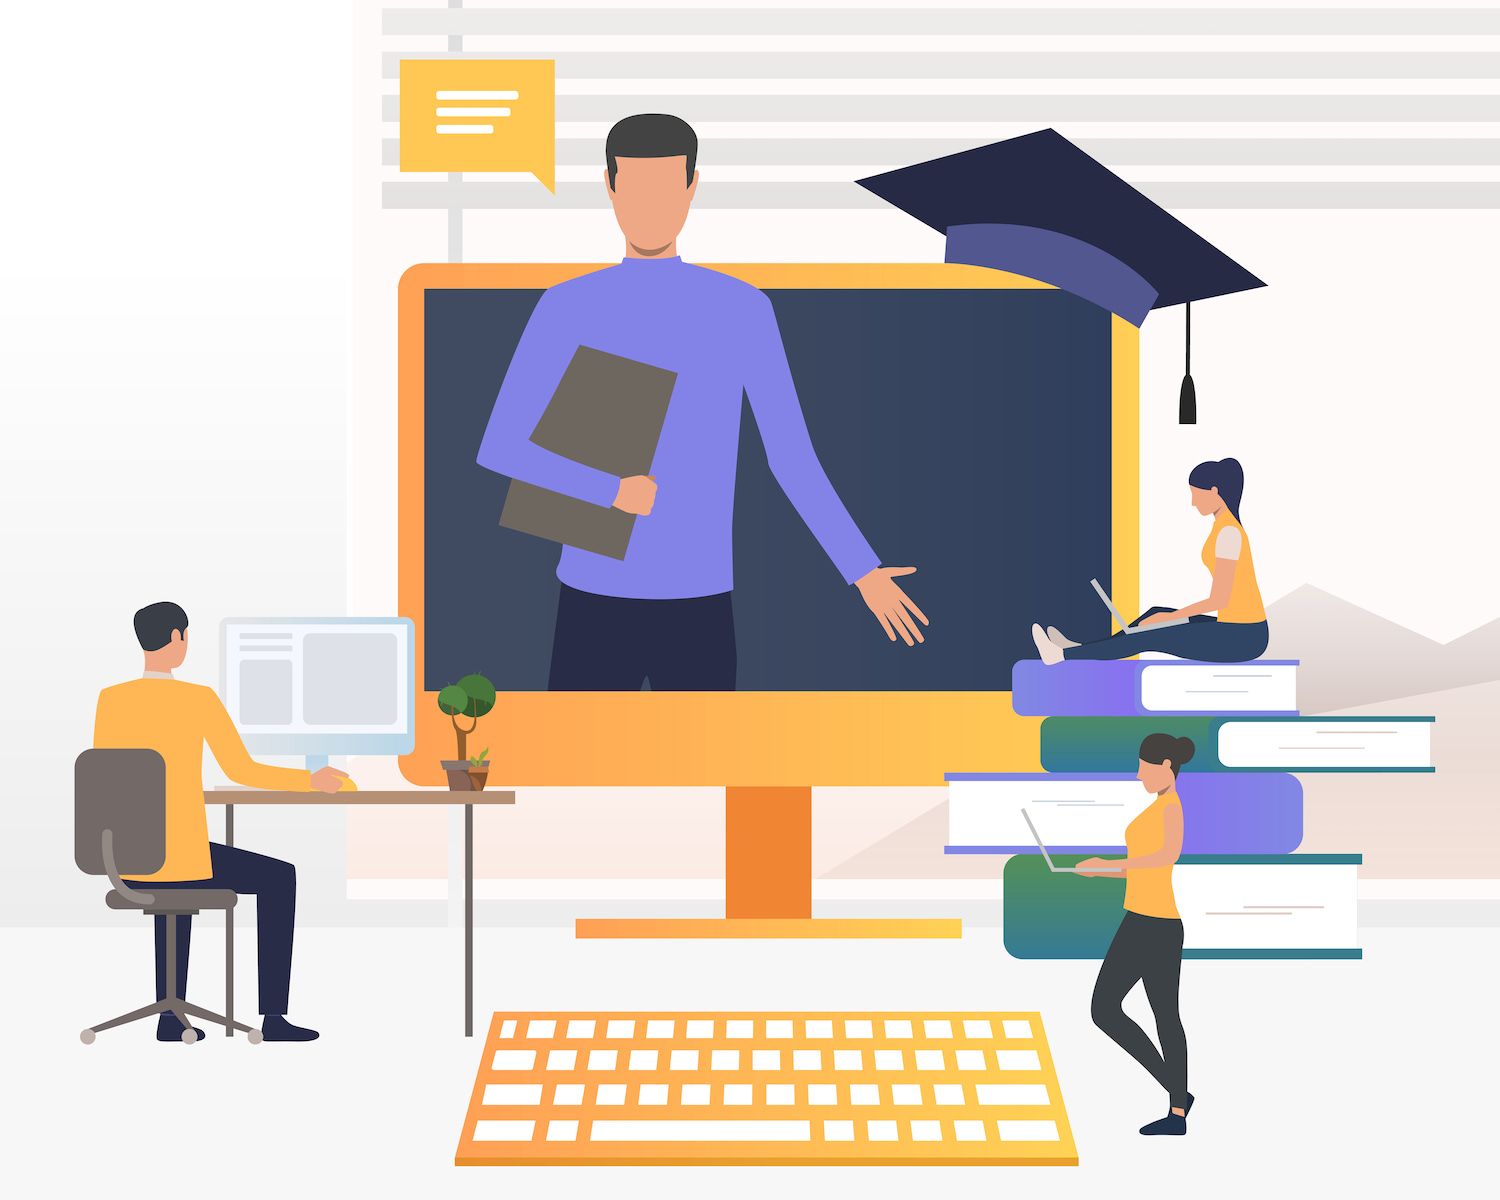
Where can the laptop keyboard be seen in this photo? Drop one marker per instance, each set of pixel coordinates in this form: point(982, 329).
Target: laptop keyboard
point(915, 1087)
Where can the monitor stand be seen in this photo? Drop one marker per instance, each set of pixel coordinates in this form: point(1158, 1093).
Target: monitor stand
point(768, 883)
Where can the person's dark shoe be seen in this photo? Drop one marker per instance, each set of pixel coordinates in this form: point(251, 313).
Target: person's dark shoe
point(169, 1029)
point(278, 1029)
point(1170, 1125)
point(1188, 1107)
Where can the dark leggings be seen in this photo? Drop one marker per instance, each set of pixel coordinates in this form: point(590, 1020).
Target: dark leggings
point(1149, 950)
point(1204, 638)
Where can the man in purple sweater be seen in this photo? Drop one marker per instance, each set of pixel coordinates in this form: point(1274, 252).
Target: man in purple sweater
point(663, 613)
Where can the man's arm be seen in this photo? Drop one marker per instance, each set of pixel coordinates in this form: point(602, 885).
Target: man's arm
point(235, 761)
point(536, 368)
point(794, 463)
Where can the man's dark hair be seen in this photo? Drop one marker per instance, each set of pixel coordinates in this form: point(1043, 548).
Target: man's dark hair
point(650, 135)
point(155, 622)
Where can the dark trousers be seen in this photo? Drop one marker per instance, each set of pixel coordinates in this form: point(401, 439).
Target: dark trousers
point(1204, 638)
point(273, 883)
point(1148, 950)
point(615, 644)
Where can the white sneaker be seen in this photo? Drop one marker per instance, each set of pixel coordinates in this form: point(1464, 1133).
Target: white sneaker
point(1051, 654)
point(1058, 638)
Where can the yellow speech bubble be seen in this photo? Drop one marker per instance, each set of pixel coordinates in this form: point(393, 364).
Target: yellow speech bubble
point(480, 114)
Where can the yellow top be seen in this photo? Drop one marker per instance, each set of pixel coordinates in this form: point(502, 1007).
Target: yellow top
point(175, 719)
point(1148, 890)
point(1244, 606)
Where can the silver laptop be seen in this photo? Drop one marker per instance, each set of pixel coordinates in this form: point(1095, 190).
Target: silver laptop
point(1124, 628)
point(1047, 858)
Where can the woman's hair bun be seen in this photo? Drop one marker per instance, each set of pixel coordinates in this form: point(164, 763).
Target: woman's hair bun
point(1163, 747)
point(1185, 751)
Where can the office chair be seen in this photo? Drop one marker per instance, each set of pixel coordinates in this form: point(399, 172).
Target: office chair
point(120, 824)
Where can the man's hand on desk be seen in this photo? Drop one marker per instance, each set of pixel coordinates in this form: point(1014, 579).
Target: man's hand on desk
point(328, 779)
point(636, 495)
point(892, 606)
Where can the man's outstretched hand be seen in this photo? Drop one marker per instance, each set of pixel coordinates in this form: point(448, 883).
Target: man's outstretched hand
point(636, 495)
point(892, 606)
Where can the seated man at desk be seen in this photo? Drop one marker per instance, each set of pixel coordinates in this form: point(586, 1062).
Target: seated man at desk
point(176, 719)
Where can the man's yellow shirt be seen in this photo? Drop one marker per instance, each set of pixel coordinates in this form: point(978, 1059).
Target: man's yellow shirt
point(176, 719)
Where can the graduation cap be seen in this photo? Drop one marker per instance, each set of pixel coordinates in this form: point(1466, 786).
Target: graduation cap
point(1039, 206)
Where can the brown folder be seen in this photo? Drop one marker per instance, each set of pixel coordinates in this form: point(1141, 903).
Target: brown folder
point(607, 413)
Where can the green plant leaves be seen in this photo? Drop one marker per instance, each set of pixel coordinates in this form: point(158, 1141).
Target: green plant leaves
point(453, 699)
point(480, 692)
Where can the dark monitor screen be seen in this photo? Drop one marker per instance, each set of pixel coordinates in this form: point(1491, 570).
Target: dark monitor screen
point(966, 430)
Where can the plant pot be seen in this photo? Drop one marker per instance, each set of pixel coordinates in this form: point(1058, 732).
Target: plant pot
point(459, 779)
point(478, 773)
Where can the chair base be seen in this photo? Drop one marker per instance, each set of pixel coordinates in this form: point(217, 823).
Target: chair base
point(183, 1011)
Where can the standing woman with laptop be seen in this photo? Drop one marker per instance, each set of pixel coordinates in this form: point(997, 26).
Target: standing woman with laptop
point(1237, 633)
point(1147, 948)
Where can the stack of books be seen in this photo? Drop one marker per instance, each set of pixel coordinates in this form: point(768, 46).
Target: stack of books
point(1241, 889)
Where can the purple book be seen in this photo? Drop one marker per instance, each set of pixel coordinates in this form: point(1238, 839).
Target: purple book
point(1154, 687)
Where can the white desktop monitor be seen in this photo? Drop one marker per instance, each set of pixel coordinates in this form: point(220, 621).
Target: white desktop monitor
point(317, 686)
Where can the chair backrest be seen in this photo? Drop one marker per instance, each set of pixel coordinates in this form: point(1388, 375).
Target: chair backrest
point(124, 791)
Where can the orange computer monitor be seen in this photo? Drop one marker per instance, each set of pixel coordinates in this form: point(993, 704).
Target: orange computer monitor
point(745, 738)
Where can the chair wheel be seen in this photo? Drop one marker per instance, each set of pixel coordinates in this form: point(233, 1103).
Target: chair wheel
point(87, 1037)
point(189, 1036)
point(253, 1037)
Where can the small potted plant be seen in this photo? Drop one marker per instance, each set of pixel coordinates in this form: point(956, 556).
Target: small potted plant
point(471, 697)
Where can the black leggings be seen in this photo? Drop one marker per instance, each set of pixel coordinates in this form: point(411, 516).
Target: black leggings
point(1148, 949)
point(1204, 638)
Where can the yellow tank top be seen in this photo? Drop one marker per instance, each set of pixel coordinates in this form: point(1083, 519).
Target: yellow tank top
point(1148, 890)
point(1244, 606)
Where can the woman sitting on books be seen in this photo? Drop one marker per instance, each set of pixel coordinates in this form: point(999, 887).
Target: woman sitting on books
point(1237, 633)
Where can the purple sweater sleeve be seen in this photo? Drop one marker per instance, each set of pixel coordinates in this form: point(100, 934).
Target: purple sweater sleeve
point(789, 449)
point(541, 357)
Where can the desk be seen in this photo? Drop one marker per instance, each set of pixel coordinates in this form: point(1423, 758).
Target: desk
point(229, 797)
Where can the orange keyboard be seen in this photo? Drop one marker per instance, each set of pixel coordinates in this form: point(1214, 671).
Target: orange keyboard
point(971, 1088)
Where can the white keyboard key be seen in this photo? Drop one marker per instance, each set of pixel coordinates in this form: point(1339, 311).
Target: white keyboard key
point(859, 1029)
point(948, 1093)
point(1020, 1030)
point(562, 1131)
point(562, 1060)
point(781, 1093)
point(725, 1060)
point(982, 1029)
point(541, 1029)
point(661, 1029)
point(848, 1060)
point(696, 1093)
point(822, 1093)
point(969, 1060)
point(889, 1060)
point(807, 1060)
point(838, 1131)
point(610, 1093)
point(938, 1029)
point(1018, 1060)
point(881, 1131)
point(513, 1060)
point(1012, 1093)
point(507, 1029)
point(643, 1060)
point(926, 1131)
point(702, 1131)
point(512, 1093)
point(969, 1131)
point(778, 1029)
point(700, 1029)
point(765, 1060)
point(653, 1093)
point(864, 1093)
point(603, 1060)
point(503, 1131)
point(567, 1093)
point(906, 1093)
point(929, 1060)
point(820, 1029)
point(898, 1029)
point(1027, 1131)
point(739, 1093)
point(620, 1029)
point(581, 1029)
point(684, 1060)
point(739, 1029)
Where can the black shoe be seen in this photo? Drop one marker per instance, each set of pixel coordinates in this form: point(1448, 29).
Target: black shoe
point(1188, 1107)
point(1170, 1125)
point(169, 1028)
point(276, 1028)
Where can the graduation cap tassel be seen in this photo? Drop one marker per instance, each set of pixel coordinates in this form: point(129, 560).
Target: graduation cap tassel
point(1187, 399)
